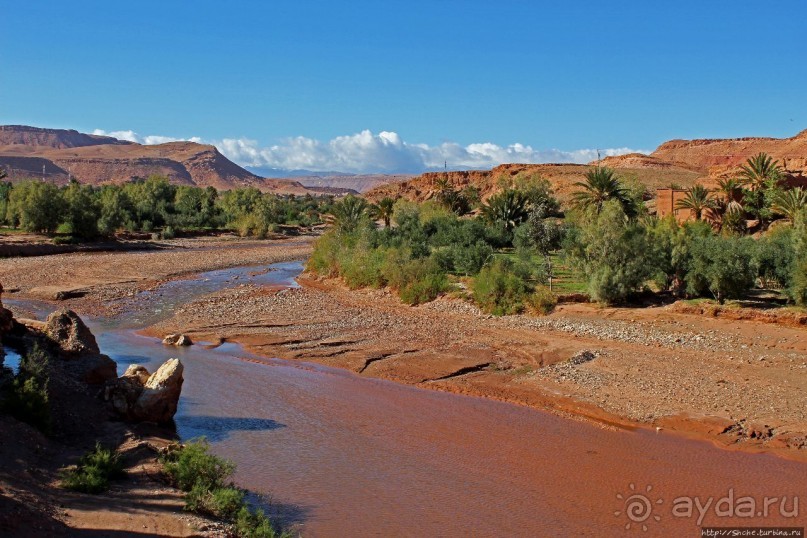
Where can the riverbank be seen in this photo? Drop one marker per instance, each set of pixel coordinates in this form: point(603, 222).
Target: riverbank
point(738, 383)
point(31, 501)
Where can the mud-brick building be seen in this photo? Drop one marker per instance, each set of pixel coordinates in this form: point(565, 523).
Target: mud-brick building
point(667, 202)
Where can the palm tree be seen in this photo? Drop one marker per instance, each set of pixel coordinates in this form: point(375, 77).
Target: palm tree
point(698, 199)
point(760, 171)
point(601, 185)
point(788, 203)
point(508, 207)
point(383, 210)
point(349, 212)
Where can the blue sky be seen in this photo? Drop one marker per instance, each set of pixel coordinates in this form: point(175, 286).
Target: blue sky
point(295, 84)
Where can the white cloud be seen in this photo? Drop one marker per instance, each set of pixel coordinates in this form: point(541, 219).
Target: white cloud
point(148, 140)
point(385, 152)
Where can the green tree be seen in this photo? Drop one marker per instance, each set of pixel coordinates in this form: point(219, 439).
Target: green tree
point(508, 208)
point(698, 199)
point(81, 210)
point(789, 203)
point(722, 266)
point(349, 213)
point(115, 210)
point(759, 171)
point(544, 235)
point(384, 210)
point(37, 206)
point(5, 194)
point(600, 186)
point(798, 278)
point(611, 252)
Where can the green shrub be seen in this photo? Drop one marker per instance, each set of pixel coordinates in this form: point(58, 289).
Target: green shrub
point(249, 524)
point(542, 301)
point(168, 233)
point(223, 503)
point(193, 465)
point(417, 280)
point(361, 266)
point(722, 266)
point(324, 260)
point(94, 471)
point(502, 288)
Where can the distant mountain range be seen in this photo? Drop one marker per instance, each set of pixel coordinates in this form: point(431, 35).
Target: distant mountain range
point(58, 154)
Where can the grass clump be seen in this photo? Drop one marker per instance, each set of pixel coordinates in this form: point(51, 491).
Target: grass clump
point(542, 301)
point(94, 471)
point(206, 480)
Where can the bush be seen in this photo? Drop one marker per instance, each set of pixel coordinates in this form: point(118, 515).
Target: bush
point(205, 478)
point(542, 301)
point(501, 288)
point(94, 471)
point(223, 503)
point(417, 280)
point(192, 466)
point(722, 266)
point(249, 524)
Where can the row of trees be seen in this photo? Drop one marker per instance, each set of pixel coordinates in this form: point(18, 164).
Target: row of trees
point(86, 212)
point(607, 236)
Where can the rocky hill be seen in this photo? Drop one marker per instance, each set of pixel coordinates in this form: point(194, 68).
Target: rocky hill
point(58, 154)
point(677, 162)
point(719, 157)
point(562, 177)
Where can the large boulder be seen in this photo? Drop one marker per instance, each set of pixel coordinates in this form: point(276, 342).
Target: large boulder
point(70, 333)
point(139, 397)
point(82, 358)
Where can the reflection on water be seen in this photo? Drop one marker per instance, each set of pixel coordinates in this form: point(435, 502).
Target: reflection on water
point(343, 455)
point(11, 359)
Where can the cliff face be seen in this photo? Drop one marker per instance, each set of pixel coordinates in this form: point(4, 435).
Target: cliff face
point(718, 157)
point(561, 177)
point(57, 154)
point(51, 138)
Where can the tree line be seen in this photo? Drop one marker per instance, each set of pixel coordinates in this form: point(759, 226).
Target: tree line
point(85, 212)
point(502, 252)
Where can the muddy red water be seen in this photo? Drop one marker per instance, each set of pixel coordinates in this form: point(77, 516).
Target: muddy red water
point(342, 455)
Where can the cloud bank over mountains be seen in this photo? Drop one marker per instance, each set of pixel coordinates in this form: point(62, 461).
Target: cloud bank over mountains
point(384, 152)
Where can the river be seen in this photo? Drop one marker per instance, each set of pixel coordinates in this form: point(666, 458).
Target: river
point(337, 454)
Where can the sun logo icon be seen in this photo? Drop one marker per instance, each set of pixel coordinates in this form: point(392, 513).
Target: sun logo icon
point(638, 507)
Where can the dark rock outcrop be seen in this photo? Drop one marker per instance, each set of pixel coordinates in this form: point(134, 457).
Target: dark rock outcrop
point(69, 332)
point(82, 358)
